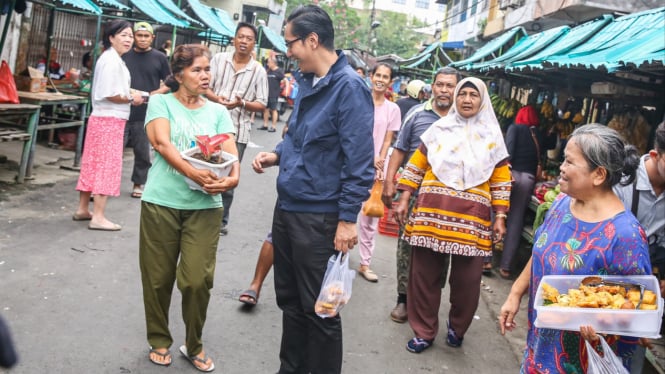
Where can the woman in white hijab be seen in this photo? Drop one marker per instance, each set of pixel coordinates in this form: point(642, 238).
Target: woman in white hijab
point(461, 174)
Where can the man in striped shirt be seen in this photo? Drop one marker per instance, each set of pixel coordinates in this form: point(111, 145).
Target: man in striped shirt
point(240, 83)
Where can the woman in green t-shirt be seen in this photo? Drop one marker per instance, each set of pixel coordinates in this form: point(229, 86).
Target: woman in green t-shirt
point(180, 226)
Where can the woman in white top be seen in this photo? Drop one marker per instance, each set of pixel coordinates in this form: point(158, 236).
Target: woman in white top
point(101, 163)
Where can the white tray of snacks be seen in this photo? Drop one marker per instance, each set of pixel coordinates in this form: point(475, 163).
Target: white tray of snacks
point(629, 305)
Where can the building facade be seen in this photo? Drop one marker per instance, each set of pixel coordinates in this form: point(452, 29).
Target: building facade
point(538, 15)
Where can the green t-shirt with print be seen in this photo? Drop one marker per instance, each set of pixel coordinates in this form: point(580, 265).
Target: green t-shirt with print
point(165, 185)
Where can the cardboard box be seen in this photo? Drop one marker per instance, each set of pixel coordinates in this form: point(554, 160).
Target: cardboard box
point(625, 322)
point(33, 81)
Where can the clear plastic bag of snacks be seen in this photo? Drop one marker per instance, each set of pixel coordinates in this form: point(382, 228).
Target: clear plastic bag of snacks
point(336, 288)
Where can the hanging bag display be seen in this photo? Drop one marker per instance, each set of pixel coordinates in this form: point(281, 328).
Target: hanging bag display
point(374, 207)
point(8, 92)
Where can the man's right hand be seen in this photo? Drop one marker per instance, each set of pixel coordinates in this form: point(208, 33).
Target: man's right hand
point(264, 160)
point(401, 211)
point(390, 184)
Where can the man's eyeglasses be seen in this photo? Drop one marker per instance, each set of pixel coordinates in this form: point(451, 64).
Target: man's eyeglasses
point(289, 42)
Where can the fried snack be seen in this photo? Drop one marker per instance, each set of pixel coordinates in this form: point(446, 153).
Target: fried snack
point(550, 293)
point(588, 302)
point(332, 297)
point(634, 296)
point(628, 305)
point(600, 296)
point(649, 298)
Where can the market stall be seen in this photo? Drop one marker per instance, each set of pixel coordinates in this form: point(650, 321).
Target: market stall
point(609, 70)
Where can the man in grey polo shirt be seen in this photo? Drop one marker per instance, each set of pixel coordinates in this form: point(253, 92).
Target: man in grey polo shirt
point(646, 199)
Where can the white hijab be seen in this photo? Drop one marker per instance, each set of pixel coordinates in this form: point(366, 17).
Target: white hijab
point(463, 152)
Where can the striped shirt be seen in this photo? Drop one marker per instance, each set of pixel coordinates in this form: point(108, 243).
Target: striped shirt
point(250, 83)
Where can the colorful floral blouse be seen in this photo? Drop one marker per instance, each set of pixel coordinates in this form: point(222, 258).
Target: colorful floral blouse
point(567, 246)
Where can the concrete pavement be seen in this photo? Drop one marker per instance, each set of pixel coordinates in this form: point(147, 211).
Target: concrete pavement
point(73, 297)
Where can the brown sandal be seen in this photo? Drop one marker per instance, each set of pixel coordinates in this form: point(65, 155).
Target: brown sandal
point(166, 357)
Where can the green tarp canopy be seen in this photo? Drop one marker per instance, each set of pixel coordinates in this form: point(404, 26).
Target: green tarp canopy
point(522, 49)
point(271, 40)
point(494, 48)
point(156, 11)
point(214, 18)
point(575, 37)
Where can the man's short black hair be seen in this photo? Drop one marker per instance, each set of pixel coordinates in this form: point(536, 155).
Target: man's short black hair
point(307, 19)
point(447, 70)
point(249, 26)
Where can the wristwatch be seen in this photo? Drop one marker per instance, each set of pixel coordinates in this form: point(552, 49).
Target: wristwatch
point(131, 99)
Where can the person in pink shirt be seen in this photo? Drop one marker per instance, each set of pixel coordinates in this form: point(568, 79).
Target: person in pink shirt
point(386, 123)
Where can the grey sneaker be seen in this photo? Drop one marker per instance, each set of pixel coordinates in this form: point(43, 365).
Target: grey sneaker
point(223, 230)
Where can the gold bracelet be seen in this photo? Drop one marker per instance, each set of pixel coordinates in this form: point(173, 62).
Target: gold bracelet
point(501, 215)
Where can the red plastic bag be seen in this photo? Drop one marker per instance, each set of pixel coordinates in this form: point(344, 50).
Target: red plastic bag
point(8, 92)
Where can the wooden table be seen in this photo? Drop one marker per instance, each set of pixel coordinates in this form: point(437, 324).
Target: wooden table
point(28, 137)
point(52, 99)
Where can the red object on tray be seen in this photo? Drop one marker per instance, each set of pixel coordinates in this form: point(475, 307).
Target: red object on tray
point(210, 145)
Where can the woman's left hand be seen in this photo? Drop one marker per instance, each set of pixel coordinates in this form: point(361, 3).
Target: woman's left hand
point(379, 163)
point(221, 185)
point(499, 229)
point(589, 334)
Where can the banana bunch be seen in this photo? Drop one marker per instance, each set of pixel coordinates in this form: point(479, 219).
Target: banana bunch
point(512, 109)
point(564, 128)
point(547, 110)
point(497, 101)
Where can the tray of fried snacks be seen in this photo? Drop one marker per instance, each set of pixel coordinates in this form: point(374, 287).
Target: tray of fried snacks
point(611, 304)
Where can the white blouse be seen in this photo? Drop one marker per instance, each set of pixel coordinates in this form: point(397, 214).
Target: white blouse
point(111, 78)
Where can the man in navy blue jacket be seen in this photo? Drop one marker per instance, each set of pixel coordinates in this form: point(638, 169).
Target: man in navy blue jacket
point(325, 173)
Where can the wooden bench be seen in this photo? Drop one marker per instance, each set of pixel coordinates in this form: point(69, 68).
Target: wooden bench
point(11, 134)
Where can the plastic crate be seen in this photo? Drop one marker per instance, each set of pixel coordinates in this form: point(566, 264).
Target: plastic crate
point(387, 224)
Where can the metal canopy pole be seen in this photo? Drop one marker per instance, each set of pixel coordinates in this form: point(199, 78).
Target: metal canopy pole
point(258, 44)
point(49, 42)
point(174, 35)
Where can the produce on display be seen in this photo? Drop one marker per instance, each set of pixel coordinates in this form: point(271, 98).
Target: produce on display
point(633, 127)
